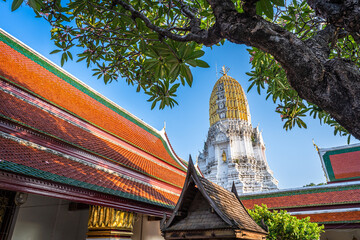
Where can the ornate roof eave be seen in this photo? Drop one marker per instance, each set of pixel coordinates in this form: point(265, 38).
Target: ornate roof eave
point(27, 184)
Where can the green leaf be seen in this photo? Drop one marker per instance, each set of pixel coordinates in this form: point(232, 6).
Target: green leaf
point(174, 71)
point(70, 55)
point(153, 105)
point(280, 3)
point(195, 54)
point(16, 4)
point(55, 51)
point(186, 72)
point(201, 63)
point(35, 4)
point(286, 18)
point(62, 60)
point(266, 8)
point(191, 62)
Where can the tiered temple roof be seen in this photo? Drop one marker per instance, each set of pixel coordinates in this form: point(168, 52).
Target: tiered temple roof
point(71, 141)
point(336, 204)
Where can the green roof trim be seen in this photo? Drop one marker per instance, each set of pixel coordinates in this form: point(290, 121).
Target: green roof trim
point(33, 172)
point(328, 164)
point(339, 222)
point(302, 191)
point(14, 45)
point(345, 179)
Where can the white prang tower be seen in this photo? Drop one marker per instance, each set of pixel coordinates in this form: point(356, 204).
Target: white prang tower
point(234, 151)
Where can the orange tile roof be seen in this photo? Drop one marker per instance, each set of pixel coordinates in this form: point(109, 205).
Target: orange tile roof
point(325, 205)
point(33, 162)
point(293, 199)
point(346, 165)
point(25, 68)
point(38, 119)
point(341, 163)
point(332, 217)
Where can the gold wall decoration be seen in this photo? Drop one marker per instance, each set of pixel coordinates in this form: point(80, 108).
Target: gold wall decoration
point(224, 156)
point(109, 222)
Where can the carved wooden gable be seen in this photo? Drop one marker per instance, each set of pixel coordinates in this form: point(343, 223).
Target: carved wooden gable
point(207, 211)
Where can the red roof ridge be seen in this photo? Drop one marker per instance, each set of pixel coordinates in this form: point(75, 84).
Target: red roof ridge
point(163, 134)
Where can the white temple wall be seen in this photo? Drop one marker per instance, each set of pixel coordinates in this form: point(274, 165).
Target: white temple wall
point(145, 229)
point(245, 165)
point(45, 218)
point(237, 146)
point(263, 155)
point(340, 234)
point(222, 167)
point(257, 153)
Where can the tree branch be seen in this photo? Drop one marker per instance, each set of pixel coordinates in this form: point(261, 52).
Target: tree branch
point(207, 38)
point(344, 14)
point(319, 43)
point(334, 85)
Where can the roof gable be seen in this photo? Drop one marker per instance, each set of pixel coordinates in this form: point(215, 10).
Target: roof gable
point(199, 215)
point(226, 205)
point(341, 163)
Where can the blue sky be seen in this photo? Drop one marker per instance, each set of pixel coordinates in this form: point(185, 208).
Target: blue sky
point(291, 154)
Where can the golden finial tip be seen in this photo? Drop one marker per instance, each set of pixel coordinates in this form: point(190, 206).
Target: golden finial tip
point(224, 70)
point(316, 146)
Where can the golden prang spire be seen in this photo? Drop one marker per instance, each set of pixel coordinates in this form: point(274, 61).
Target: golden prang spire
point(228, 100)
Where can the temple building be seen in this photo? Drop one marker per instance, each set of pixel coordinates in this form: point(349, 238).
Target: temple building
point(336, 205)
point(234, 151)
point(73, 164)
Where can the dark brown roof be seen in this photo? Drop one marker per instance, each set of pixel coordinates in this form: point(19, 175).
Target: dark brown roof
point(199, 216)
point(228, 203)
point(205, 205)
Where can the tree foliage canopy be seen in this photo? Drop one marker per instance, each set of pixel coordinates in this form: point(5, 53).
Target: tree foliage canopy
point(305, 53)
point(283, 226)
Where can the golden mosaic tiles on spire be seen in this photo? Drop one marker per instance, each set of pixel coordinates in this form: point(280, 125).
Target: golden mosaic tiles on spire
point(228, 101)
